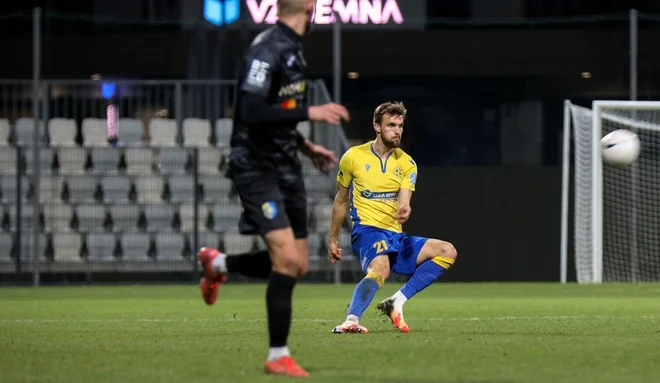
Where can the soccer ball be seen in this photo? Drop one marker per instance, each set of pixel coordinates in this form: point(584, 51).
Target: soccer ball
point(620, 148)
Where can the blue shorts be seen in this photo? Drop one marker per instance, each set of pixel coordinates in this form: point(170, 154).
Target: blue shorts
point(368, 242)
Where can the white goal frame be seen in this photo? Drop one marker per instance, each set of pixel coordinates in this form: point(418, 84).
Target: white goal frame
point(596, 177)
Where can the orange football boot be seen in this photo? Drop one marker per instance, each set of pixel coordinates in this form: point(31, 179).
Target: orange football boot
point(387, 308)
point(285, 366)
point(210, 282)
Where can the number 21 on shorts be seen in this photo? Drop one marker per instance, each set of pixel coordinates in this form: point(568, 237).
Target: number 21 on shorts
point(380, 246)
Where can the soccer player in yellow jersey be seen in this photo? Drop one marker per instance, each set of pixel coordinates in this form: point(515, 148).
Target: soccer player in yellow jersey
point(375, 182)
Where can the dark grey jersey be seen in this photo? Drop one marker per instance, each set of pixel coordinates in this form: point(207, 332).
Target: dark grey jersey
point(270, 102)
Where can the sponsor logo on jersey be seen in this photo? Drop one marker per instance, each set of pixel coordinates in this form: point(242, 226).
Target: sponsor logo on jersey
point(289, 103)
point(292, 89)
point(258, 73)
point(367, 166)
point(379, 195)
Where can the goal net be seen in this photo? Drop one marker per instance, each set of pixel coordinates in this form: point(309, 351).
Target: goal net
point(616, 211)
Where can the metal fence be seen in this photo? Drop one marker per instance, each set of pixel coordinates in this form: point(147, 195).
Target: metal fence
point(129, 180)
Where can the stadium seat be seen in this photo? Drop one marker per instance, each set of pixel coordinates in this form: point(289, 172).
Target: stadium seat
point(124, 217)
point(235, 243)
point(82, 189)
point(163, 132)
point(27, 251)
point(91, 218)
point(160, 217)
point(94, 132)
point(45, 160)
point(345, 242)
point(66, 247)
point(8, 160)
point(305, 128)
point(8, 189)
point(139, 161)
point(182, 188)
point(105, 160)
point(57, 217)
point(207, 239)
point(321, 215)
point(62, 132)
point(116, 189)
point(208, 161)
point(101, 247)
point(308, 168)
point(135, 247)
point(27, 217)
point(6, 242)
point(186, 214)
point(225, 217)
point(5, 132)
point(216, 188)
point(314, 245)
point(320, 186)
point(196, 132)
point(50, 189)
point(129, 132)
point(172, 160)
point(23, 132)
point(169, 246)
point(149, 189)
point(72, 161)
point(223, 128)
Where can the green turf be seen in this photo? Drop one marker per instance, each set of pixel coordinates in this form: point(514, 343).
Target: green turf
point(460, 333)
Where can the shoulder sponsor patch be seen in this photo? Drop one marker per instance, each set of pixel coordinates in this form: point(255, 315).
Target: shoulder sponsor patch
point(413, 178)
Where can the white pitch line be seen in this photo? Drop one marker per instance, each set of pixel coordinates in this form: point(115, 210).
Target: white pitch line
point(446, 319)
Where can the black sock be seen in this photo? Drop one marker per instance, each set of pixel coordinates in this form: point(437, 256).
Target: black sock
point(278, 304)
point(254, 264)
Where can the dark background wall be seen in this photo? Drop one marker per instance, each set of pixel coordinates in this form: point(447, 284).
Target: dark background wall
point(504, 221)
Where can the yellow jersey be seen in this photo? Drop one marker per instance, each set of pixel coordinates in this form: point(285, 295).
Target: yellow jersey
point(374, 184)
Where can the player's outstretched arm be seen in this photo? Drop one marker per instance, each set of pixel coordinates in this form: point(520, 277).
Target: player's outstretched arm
point(339, 209)
point(403, 208)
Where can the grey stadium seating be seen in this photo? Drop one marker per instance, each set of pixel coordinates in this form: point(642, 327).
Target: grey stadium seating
point(134, 203)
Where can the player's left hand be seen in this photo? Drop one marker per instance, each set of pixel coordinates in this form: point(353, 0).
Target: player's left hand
point(323, 159)
point(402, 214)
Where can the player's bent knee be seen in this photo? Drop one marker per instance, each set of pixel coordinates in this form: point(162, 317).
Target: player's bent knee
point(441, 252)
point(447, 250)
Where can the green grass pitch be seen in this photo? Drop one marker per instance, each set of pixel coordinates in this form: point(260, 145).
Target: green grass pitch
point(460, 333)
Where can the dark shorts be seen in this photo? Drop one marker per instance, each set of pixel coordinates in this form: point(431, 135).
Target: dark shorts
point(271, 201)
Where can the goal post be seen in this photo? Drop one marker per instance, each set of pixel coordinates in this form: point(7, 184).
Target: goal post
point(615, 211)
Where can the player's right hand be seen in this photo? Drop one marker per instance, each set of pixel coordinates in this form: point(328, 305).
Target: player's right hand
point(331, 113)
point(334, 251)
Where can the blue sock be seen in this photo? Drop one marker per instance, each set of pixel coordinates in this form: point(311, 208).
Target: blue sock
point(427, 273)
point(363, 295)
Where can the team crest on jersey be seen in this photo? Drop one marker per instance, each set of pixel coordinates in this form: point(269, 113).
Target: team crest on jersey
point(367, 166)
point(269, 209)
point(398, 173)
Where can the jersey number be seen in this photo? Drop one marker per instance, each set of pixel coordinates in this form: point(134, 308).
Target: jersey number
point(380, 246)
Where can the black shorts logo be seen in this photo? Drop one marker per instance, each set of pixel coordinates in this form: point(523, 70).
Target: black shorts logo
point(269, 209)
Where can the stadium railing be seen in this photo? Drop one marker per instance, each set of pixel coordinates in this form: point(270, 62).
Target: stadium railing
point(130, 179)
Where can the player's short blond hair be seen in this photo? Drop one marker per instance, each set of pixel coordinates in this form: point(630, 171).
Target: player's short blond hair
point(290, 7)
point(395, 108)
